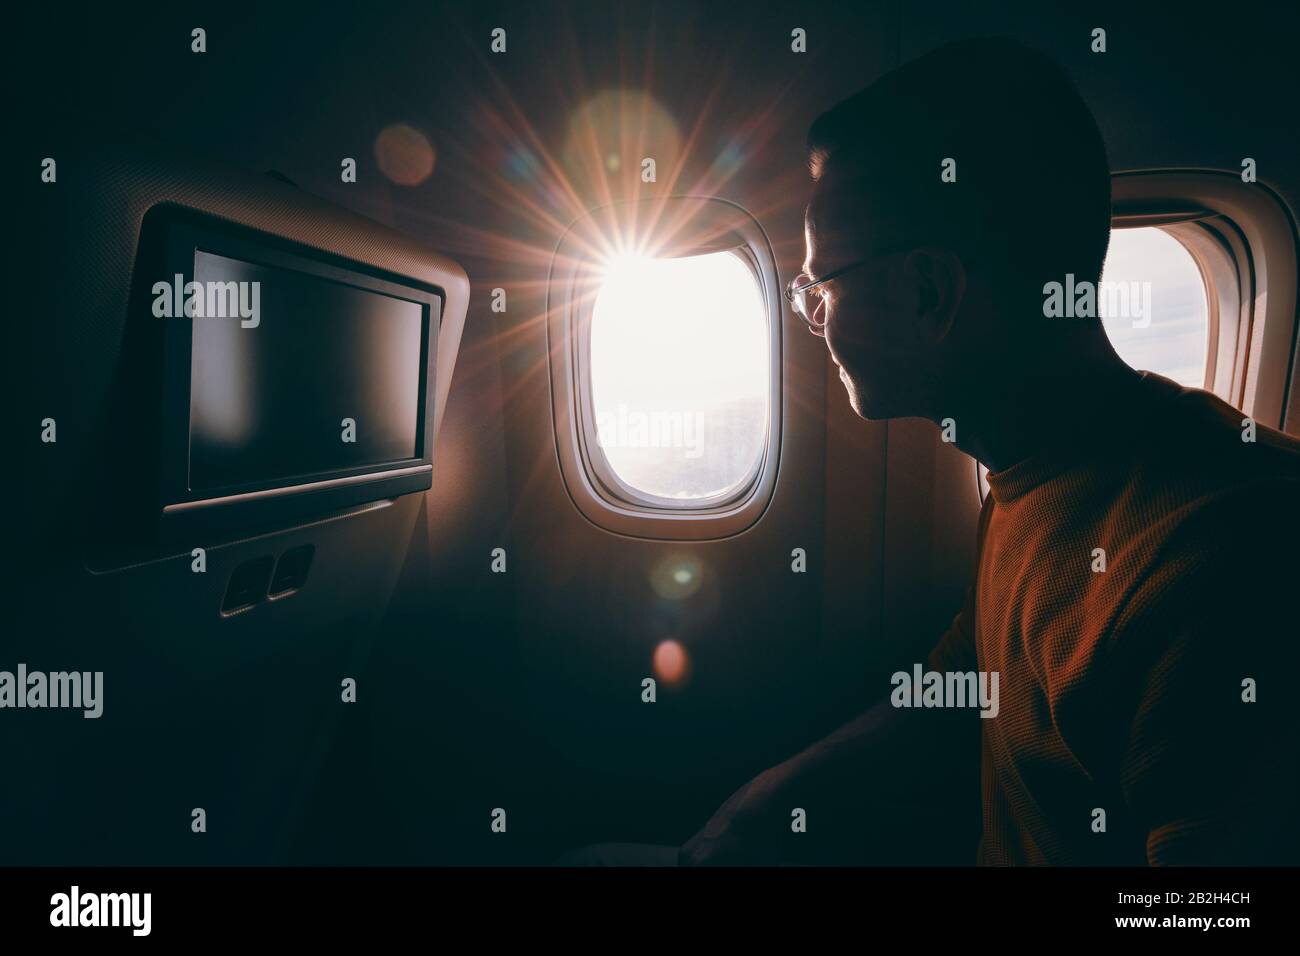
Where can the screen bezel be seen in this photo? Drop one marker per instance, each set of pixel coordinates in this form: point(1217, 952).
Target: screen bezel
point(183, 510)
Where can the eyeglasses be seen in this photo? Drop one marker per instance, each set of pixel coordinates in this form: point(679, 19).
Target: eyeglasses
point(797, 292)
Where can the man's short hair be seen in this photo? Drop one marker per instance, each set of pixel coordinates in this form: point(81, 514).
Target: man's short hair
point(1031, 197)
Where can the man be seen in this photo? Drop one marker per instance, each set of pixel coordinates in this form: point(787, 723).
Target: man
point(1135, 550)
point(1136, 547)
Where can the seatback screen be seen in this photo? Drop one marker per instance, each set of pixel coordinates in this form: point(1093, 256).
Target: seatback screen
point(295, 375)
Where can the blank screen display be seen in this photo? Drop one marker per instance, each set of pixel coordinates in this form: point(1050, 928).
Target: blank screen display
point(269, 394)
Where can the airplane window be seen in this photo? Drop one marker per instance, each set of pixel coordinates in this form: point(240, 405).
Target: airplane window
point(679, 371)
point(1154, 304)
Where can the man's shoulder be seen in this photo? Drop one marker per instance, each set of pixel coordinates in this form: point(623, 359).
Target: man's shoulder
point(1210, 504)
point(1219, 558)
point(1194, 455)
point(1199, 432)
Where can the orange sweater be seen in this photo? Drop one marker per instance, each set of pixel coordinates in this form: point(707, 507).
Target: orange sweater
point(1122, 689)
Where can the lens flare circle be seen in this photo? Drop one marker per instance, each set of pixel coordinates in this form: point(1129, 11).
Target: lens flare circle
point(404, 154)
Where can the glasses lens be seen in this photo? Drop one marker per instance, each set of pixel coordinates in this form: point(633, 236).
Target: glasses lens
point(817, 327)
point(805, 302)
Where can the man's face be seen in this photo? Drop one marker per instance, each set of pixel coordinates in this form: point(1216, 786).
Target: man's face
point(871, 312)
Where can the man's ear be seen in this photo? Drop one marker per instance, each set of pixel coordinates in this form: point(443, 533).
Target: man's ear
point(939, 279)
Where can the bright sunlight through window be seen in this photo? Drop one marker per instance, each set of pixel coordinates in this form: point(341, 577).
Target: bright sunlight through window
point(680, 381)
point(1154, 306)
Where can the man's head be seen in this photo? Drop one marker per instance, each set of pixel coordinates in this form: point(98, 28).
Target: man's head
point(951, 191)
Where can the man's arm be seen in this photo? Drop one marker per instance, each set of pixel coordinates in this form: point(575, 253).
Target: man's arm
point(880, 766)
point(1210, 767)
